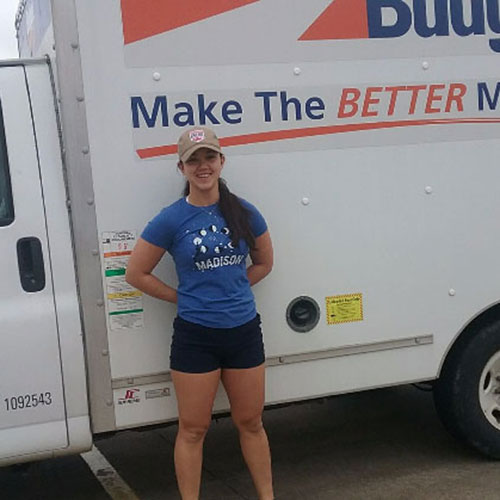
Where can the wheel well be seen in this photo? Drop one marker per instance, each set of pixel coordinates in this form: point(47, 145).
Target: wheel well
point(482, 320)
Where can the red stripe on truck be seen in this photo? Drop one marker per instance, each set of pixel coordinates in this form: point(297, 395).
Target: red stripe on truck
point(279, 135)
point(145, 18)
point(343, 19)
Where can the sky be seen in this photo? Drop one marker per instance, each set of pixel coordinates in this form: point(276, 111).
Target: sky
point(8, 42)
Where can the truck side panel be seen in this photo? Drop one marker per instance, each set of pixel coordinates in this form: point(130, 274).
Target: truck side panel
point(371, 193)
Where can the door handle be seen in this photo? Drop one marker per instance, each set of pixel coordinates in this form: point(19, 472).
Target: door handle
point(30, 261)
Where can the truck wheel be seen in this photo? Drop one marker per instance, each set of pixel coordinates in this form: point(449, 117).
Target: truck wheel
point(467, 394)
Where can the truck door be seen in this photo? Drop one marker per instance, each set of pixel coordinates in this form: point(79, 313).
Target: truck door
point(32, 407)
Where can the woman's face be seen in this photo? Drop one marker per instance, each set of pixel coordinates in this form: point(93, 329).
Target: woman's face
point(202, 169)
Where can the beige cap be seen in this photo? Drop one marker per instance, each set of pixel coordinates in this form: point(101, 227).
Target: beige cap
point(196, 138)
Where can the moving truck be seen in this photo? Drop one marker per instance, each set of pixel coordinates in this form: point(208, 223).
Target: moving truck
point(366, 131)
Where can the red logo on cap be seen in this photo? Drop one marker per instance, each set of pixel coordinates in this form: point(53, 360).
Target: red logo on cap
point(197, 135)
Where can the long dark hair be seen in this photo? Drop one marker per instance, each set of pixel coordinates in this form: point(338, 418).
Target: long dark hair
point(235, 214)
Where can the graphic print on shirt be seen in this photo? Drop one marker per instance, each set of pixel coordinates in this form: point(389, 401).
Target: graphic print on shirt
point(213, 249)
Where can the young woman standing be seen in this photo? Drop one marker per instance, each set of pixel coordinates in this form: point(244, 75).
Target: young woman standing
point(217, 337)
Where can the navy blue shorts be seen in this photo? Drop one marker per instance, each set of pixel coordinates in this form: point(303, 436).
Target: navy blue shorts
point(200, 349)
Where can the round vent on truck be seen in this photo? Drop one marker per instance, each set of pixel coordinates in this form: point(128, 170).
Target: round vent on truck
point(302, 314)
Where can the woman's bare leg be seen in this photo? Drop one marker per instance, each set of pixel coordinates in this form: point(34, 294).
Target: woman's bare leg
point(195, 396)
point(245, 389)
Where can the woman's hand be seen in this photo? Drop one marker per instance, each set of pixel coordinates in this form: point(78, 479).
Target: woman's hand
point(262, 259)
point(143, 260)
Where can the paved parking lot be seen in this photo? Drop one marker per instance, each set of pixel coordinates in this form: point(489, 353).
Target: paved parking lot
point(384, 444)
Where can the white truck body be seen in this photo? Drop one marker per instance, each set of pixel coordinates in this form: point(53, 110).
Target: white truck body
point(367, 132)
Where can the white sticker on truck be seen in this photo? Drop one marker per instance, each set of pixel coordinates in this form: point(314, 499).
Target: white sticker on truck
point(124, 302)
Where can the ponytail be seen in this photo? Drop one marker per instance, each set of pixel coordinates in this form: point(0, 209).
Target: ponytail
point(235, 214)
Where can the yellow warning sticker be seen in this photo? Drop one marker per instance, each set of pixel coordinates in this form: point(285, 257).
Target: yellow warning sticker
point(125, 295)
point(344, 308)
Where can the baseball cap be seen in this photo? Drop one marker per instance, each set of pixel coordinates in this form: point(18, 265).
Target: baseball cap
point(196, 138)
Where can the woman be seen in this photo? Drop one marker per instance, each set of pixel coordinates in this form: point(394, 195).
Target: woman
point(217, 337)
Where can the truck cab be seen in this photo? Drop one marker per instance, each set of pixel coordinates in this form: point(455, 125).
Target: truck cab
point(43, 407)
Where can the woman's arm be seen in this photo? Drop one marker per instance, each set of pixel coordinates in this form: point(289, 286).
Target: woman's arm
point(262, 259)
point(143, 260)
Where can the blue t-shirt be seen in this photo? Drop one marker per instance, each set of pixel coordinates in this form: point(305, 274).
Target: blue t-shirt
point(213, 286)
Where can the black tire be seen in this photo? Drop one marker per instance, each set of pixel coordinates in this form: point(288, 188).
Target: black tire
point(457, 392)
